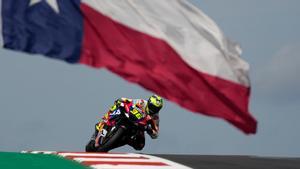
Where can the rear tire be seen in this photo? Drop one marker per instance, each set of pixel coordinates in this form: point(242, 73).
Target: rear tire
point(113, 141)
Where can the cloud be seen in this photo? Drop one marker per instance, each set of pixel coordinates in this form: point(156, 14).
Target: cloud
point(280, 77)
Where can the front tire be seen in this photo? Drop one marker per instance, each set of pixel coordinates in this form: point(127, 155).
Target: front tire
point(113, 141)
point(90, 147)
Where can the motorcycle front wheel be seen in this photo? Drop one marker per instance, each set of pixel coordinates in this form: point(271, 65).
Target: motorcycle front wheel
point(90, 147)
point(112, 141)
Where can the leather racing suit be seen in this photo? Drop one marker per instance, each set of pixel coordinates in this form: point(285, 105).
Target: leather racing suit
point(106, 123)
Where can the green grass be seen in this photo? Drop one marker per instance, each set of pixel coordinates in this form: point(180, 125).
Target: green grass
point(9, 160)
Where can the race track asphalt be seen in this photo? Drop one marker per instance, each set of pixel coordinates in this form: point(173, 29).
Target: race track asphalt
point(233, 162)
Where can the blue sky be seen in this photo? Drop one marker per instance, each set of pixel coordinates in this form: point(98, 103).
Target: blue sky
point(51, 105)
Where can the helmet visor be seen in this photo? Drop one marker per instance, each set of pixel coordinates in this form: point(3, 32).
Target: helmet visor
point(153, 109)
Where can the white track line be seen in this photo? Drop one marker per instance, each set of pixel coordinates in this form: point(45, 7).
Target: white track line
point(117, 160)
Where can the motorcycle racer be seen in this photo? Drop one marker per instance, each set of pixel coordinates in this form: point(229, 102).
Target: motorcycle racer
point(152, 106)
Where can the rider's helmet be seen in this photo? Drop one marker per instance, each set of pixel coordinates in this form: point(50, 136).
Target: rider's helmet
point(154, 104)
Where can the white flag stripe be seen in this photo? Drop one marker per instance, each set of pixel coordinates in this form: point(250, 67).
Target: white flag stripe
point(1, 35)
point(192, 34)
point(115, 160)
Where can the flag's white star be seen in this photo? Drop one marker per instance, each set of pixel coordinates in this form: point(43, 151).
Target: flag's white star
point(52, 3)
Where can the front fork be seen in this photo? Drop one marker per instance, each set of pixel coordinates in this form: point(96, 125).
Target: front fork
point(102, 132)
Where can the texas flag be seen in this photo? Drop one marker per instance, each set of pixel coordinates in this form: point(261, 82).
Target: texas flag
point(169, 47)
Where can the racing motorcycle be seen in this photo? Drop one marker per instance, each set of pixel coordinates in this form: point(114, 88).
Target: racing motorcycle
point(128, 121)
